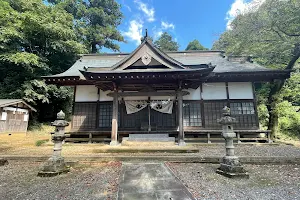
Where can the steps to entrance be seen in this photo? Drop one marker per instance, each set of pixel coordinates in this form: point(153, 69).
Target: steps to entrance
point(150, 138)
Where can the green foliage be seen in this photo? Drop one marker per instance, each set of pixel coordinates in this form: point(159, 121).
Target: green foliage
point(166, 43)
point(195, 45)
point(95, 21)
point(36, 40)
point(41, 142)
point(271, 35)
point(289, 119)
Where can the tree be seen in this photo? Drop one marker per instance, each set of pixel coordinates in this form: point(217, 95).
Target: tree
point(272, 35)
point(35, 40)
point(95, 21)
point(195, 45)
point(166, 43)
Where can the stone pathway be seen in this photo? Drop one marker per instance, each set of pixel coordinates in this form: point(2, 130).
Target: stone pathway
point(150, 181)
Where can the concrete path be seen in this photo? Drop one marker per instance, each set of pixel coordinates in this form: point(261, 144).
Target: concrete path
point(150, 181)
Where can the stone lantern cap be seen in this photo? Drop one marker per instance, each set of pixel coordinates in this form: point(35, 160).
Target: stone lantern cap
point(226, 111)
point(61, 115)
point(226, 119)
point(60, 120)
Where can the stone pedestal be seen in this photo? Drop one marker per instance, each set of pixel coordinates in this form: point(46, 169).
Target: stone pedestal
point(230, 165)
point(56, 164)
point(3, 162)
point(53, 167)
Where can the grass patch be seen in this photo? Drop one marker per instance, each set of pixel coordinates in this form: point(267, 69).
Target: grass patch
point(40, 142)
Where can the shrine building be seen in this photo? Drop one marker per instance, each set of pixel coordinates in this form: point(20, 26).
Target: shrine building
point(153, 92)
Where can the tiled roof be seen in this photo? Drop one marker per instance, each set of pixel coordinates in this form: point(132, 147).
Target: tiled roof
point(106, 61)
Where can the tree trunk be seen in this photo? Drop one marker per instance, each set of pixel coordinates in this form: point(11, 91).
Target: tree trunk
point(94, 48)
point(273, 95)
point(271, 106)
point(273, 122)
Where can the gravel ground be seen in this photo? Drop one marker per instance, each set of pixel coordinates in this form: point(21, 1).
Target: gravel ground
point(19, 180)
point(252, 150)
point(204, 150)
point(266, 182)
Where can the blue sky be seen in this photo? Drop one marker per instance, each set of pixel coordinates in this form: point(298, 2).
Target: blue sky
point(185, 20)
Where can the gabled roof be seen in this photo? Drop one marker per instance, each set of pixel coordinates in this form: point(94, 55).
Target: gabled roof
point(11, 102)
point(147, 50)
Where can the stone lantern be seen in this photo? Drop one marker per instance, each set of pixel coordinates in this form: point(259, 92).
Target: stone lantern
point(230, 164)
point(56, 164)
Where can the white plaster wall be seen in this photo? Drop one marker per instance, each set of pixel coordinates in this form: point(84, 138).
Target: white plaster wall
point(86, 93)
point(214, 91)
point(104, 97)
point(240, 90)
point(194, 94)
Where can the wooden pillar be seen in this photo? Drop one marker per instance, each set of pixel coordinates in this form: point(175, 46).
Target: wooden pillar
point(180, 119)
point(114, 123)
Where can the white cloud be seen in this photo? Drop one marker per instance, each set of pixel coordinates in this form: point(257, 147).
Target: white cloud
point(134, 32)
point(241, 7)
point(157, 34)
point(128, 8)
point(149, 12)
point(166, 25)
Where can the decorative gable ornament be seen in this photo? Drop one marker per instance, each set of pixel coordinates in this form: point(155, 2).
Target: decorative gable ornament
point(146, 59)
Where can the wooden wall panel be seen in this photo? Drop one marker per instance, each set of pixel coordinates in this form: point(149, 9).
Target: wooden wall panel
point(84, 117)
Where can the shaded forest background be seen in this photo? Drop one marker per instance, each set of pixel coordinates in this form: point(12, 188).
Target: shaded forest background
point(39, 38)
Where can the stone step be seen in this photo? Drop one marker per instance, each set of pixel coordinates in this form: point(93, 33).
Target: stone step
point(147, 143)
point(150, 137)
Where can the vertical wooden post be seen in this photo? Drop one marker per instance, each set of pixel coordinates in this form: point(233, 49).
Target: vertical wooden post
point(97, 109)
point(238, 137)
point(208, 138)
point(227, 95)
point(180, 118)
point(114, 123)
point(73, 107)
point(90, 138)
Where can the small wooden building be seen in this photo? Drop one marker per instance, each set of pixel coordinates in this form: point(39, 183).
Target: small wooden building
point(14, 115)
point(150, 91)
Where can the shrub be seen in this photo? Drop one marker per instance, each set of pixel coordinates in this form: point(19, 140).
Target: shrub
point(40, 142)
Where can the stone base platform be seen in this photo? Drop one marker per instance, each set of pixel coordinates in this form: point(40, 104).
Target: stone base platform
point(3, 162)
point(232, 168)
point(233, 175)
point(53, 167)
point(150, 138)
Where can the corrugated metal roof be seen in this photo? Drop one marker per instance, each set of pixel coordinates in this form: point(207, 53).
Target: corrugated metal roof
point(186, 57)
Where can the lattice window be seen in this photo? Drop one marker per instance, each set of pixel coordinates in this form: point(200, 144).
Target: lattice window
point(105, 114)
point(242, 108)
point(244, 113)
point(192, 114)
point(213, 112)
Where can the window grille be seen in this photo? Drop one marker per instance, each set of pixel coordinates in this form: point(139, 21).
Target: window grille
point(192, 114)
point(105, 114)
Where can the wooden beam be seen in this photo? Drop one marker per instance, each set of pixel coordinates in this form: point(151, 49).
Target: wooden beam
point(149, 94)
